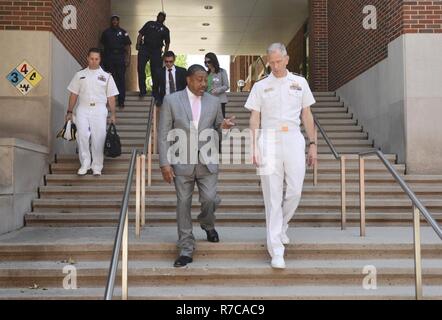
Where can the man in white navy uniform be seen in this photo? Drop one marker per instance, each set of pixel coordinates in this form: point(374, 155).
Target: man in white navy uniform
point(93, 87)
point(277, 104)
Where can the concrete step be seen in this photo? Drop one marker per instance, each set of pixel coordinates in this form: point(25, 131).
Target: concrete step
point(209, 292)
point(352, 190)
point(243, 219)
point(352, 167)
point(96, 243)
point(233, 108)
point(228, 204)
point(321, 141)
point(138, 121)
point(318, 257)
point(240, 116)
point(223, 272)
point(112, 179)
point(333, 135)
point(328, 128)
point(65, 158)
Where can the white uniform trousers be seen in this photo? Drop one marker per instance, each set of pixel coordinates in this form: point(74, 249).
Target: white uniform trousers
point(287, 162)
point(91, 135)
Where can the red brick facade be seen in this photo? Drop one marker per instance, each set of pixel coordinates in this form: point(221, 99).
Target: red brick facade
point(296, 51)
point(353, 49)
point(422, 17)
point(26, 15)
point(92, 19)
point(318, 43)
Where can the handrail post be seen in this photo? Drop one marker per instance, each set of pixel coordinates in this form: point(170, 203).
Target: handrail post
point(149, 163)
point(124, 266)
point(417, 253)
point(343, 195)
point(137, 196)
point(154, 128)
point(315, 165)
point(362, 195)
point(143, 189)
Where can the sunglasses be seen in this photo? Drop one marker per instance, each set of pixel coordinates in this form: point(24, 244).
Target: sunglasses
point(168, 61)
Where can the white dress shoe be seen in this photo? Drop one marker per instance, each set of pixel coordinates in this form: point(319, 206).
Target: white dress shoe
point(278, 262)
point(82, 171)
point(97, 173)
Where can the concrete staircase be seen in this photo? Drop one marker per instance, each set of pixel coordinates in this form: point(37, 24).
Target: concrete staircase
point(74, 219)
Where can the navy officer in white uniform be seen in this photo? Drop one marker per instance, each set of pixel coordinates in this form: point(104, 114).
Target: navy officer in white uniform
point(277, 104)
point(93, 88)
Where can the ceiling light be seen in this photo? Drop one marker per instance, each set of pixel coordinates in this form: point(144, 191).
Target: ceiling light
point(203, 38)
point(206, 24)
point(208, 7)
point(202, 49)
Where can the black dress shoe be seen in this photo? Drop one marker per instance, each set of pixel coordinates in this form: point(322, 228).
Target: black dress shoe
point(141, 95)
point(182, 261)
point(121, 105)
point(212, 235)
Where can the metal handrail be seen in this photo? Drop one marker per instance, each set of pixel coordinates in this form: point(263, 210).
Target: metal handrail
point(414, 199)
point(327, 139)
point(418, 208)
point(341, 159)
point(138, 159)
point(149, 126)
point(263, 64)
point(121, 224)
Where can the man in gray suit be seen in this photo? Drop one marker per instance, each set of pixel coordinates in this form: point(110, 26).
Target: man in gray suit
point(190, 124)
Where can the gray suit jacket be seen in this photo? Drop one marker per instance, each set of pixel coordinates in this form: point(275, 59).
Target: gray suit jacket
point(176, 113)
point(220, 85)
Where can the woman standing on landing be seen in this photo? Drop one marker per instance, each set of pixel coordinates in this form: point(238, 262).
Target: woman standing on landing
point(218, 82)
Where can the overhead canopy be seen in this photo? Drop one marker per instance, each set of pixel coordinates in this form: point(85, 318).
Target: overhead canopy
point(237, 27)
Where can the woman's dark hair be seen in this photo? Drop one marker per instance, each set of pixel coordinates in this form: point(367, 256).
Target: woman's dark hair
point(213, 61)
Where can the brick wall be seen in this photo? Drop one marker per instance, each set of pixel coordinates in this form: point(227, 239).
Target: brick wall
point(353, 50)
point(25, 15)
point(422, 17)
point(318, 43)
point(92, 19)
point(296, 52)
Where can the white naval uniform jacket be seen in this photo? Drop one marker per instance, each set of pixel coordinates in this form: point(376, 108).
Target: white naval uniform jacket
point(93, 87)
point(280, 101)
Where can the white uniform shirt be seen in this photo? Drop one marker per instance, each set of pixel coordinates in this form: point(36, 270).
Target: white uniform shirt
point(167, 79)
point(93, 87)
point(280, 101)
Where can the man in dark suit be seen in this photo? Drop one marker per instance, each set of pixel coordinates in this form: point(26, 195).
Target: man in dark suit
point(171, 78)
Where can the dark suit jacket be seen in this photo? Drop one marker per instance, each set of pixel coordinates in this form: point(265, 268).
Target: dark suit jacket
point(180, 83)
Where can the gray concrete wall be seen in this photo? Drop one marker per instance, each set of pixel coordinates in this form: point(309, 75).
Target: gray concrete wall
point(376, 98)
point(23, 165)
point(423, 103)
point(25, 117)
point(64, 66)
point(399, 102)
